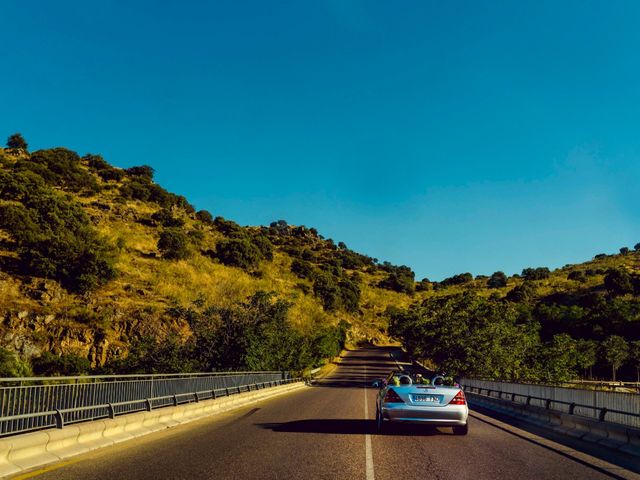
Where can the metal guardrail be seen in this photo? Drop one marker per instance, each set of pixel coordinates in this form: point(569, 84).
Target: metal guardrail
point(35, 403)
point(600, 412)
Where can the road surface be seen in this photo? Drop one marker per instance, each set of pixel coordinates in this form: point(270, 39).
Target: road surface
point(327, 432)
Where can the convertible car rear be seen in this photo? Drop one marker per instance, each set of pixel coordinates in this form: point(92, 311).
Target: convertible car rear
point(406, 397)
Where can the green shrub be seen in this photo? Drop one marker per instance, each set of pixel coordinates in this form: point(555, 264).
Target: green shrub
point(13, 366)
point(142, 173)
point(205, 217)
point(618, 282)
point(497, 280)
point(539, 273)
point(264, 245)
point(60, 167)
point(327, 290)
point(55, 238)
point(165, 218)
point(301, 268)
point(49, 365)
point(238, 252)
point(174, 244)
point(577, 275)
point(17, 141)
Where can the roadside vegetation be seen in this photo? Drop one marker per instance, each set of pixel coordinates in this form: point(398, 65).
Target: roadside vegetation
point(103, 270)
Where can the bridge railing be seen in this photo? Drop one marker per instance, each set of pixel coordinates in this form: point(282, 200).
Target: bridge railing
point(617, 407)
point(42, 402)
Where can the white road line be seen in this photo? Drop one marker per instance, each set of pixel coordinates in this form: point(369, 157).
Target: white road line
point(367, 438)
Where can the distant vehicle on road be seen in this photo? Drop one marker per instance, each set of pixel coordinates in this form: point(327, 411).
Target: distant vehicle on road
point(409, 397)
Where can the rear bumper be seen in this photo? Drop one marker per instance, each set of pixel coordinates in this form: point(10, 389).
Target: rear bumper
point(448, 416)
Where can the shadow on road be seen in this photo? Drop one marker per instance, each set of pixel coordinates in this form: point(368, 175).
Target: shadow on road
point(350, 426)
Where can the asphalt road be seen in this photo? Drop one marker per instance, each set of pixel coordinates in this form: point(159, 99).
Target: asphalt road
point(327, 432)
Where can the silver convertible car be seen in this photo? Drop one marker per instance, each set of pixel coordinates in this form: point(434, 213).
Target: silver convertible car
point(409, 397)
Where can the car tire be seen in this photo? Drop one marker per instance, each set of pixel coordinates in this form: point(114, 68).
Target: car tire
point(462, 430)
point(379, 422)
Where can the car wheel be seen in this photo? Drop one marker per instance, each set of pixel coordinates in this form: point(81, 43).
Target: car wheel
point(379, 421)
point(463, 430)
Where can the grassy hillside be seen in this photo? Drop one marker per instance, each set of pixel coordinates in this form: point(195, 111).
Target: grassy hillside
point(101, 269)
point(206, 264)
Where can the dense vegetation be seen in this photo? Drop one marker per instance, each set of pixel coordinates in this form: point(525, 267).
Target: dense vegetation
point(525, 334)
point(103, 270)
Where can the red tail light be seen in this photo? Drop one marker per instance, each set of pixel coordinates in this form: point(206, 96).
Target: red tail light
point(458, 399)
point(392, 397)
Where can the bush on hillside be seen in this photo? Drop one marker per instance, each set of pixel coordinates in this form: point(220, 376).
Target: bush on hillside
point(102, 168)
point(497, 280)
point(17, 141)
point(13, 366)
point(238, 252)
point(618, 282)
point(522, 293)
point(327, 290)
point(539, 273)
point(636, 247)
point(60, 167)
point(301, 268)
point(166, 218)
point(49, 364)
point(577, 275)
point(205, 217)
point(55, 238)
point(624, 250)
point(142, 173)
point(459, 279)
point(265, 246)
point(174, 244)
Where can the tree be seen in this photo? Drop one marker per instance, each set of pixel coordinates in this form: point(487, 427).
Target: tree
point(539, 273)
point(624, 250)
point(635, 357)
point(13, 366)
point(205, 217)
point(615, 350)
point(636, 247)
point(587, 355)
point(618, 281)
point(577, 275)
point(17, 141)
point(239, 252)
point(173, 244)
point(144, 172)
point(497, 280)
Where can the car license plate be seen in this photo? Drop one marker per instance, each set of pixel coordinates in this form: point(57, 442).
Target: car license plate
point(427, 398)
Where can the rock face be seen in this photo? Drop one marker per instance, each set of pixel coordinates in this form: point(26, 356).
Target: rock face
point(30, 333)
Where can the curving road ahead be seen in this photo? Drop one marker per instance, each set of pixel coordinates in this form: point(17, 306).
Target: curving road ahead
point(327, 432)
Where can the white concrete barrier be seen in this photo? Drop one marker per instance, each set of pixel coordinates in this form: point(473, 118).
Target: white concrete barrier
point(30, 450)
point(608, 434)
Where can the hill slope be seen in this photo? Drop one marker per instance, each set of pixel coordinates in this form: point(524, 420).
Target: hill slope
point(102, 269)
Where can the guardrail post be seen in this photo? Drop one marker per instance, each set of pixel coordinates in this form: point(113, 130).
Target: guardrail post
point(111, 410)
point(547, 404)
point(148, 404)
point(59, 419)
point(213, 393)
point(572, 408)
point(528, 402)
point(239, 391)
point(513, 397)
point(603, 412)
point(175, 400)
point(227, 390)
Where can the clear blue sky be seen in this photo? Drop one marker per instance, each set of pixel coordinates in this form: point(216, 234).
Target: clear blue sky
point(479, 136)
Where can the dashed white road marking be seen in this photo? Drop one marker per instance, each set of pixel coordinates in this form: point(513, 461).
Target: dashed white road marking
point(370, 474)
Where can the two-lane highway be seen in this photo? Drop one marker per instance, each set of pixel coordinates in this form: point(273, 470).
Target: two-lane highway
point(327, 432)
